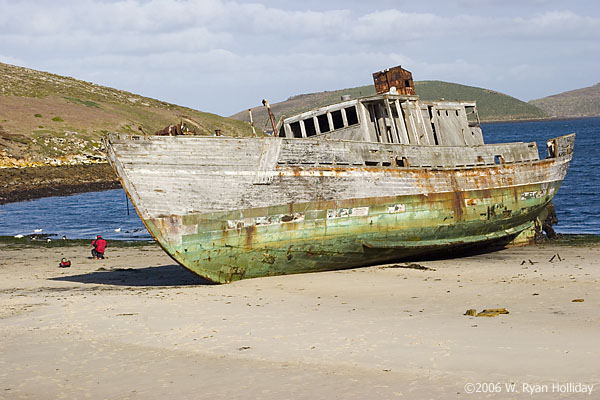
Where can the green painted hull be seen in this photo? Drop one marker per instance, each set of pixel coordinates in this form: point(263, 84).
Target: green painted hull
point(329, 235)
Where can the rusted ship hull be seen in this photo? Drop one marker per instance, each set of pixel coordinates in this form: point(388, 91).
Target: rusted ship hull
point(229, 209)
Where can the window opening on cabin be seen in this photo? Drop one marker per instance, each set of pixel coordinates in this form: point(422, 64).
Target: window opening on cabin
point(375, 120)
point(498, 160)
point(336, 116)
point(383, 118)
point(323, 123)
point(309, 127)
point(401, 162)
point(435, 137)
point(472, 117)
point(296, 130)
point(351, 115)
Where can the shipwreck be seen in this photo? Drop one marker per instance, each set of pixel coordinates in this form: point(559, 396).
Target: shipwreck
point(367, 180)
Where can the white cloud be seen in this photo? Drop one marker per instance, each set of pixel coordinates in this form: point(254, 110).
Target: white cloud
point(398, 26)
point(193, 51)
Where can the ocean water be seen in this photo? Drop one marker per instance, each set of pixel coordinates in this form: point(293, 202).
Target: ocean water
point(79, 216)
point(83, 216)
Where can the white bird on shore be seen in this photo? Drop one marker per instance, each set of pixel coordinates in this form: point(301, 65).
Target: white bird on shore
point(118, 230)
point(38, 230)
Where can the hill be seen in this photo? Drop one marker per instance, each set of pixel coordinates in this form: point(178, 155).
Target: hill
point(51, 119)
point(572, 104)
point(492, 106)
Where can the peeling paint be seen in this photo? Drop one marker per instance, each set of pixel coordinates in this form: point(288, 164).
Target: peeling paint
point(397, 208)
point(347, 212)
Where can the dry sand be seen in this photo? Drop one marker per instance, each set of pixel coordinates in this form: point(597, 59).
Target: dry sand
point(136, 326)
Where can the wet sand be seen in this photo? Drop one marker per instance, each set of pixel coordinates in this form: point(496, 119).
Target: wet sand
point(137, 326)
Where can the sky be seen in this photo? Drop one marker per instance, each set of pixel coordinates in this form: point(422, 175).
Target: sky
point(225, 56)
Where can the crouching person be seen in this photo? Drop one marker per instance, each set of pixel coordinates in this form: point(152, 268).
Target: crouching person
point(99, 246)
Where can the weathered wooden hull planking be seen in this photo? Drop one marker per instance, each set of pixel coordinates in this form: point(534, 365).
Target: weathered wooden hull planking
point(234, 208)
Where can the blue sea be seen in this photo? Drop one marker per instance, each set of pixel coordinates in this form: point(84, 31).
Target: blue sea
point(79, 216)
point(110, 214)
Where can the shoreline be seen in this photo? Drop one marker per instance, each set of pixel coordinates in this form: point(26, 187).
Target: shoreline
point(537, 119)
point(30, 183)
point(40, 240)
point(134, 325)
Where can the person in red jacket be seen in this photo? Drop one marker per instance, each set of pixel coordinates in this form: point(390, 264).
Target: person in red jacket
point(99, 246)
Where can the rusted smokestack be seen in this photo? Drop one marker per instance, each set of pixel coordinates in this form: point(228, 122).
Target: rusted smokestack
point(395, 77)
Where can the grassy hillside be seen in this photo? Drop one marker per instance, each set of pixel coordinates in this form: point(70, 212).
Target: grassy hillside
point(51, 119)
point(492, 106)
point(573, 104)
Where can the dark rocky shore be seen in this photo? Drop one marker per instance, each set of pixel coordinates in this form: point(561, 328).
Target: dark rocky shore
point(20, 184)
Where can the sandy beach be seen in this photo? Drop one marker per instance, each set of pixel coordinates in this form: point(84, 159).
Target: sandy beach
point(138, 326)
